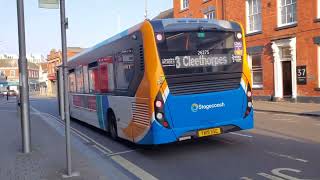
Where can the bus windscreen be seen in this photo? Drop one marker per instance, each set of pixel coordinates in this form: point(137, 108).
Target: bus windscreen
point(200, 52)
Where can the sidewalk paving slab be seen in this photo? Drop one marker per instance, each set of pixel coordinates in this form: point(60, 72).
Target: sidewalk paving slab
point(303, 109)
point(47, 159)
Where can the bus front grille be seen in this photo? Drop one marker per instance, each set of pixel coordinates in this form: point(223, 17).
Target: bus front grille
point(203, 84)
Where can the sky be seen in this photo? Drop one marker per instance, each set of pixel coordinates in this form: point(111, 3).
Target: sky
point(90, 22)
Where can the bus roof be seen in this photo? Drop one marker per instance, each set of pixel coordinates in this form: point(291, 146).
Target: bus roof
point(161, 25)
point(191, 24)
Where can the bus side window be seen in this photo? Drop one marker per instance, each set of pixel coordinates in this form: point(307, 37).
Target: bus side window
point(86, 79)
point(104, 77)
point(93, 80)
point(79, 80)
point(72, 82)
point(124, 70)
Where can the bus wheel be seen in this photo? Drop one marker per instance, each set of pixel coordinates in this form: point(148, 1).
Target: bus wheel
point(113, 126)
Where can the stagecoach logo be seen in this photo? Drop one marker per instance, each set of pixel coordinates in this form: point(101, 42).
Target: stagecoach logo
point(196, 107)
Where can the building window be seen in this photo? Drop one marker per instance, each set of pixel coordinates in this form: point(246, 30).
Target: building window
point(255, 63)
point(318, 65)
point(253, 8)
point(2, 73)
point(318, 9)
point(286, 53)
point(210, 15)
point(12, 73)
point(184, 4)
point(287, 12)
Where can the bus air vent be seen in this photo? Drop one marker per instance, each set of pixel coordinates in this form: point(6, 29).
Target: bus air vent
point(141, 58)
point(141, 114)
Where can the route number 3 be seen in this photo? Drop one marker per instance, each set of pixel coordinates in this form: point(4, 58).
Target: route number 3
point(277, 174)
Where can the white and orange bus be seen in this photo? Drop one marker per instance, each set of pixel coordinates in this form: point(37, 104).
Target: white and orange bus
point(163, 81)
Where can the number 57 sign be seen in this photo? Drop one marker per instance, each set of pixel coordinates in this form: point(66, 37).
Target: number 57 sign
point(301, 75)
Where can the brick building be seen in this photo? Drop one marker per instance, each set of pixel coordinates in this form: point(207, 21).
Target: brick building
point(283, 42)
point(54, 59)
point(9, 70)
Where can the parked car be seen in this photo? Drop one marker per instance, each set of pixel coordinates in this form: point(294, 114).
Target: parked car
point(1, 94)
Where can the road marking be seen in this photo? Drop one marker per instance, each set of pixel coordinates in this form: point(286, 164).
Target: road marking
point(123, 152)
point(284, 120)
point(278, 173)
point(129, 166)
point(287, 156)
point(137, 171)
point(242, 135)
point(268, 176)
point(291, 115)
point(9, 111)
point(260, 112)
point(245, 178)
point(100, 149)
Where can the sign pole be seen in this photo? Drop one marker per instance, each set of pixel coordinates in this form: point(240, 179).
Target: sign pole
point(64, 24)
point(23, 81)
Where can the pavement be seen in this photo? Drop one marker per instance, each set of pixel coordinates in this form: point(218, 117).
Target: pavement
point(304, 109)
point(47, 159)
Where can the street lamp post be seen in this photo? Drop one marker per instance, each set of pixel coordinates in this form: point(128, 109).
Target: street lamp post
point(23, 81)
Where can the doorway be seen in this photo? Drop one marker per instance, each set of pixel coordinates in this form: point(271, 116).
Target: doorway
point(287, 79)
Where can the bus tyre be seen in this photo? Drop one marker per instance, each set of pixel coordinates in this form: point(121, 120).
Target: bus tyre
point(113, 126)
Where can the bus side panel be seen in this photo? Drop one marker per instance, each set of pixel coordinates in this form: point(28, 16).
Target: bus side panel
point(78, 111)
point(122, 108)
point(102, 105)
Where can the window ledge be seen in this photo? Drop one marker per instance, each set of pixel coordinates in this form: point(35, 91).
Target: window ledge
point(205, 1)
point(317, 89)
point(316, 20)
point(286, 26)
point(257, 88)
point(183, 10)
point(253, 33)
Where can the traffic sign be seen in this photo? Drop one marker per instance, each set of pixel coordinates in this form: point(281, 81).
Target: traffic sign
point(49, 4)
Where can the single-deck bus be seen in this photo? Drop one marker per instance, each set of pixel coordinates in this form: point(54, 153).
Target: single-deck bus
point(163, 81)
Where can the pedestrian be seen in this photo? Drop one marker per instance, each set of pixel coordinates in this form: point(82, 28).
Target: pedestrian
point(8, 93)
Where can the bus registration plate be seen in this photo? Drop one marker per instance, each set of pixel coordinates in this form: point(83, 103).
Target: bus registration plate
point(209, 132)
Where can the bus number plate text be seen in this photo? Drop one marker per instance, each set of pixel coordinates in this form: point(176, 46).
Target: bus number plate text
point(209, 132)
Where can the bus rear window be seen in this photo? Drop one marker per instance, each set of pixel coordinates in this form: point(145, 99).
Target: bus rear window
point(200, 52)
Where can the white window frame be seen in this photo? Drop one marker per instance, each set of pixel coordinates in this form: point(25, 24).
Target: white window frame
point(249, 58)
point(318, 9)
point(257, 13)
point(279, 15)
point(14, 73)
point(184, 4)
point(210, 15)
point(318, 65)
